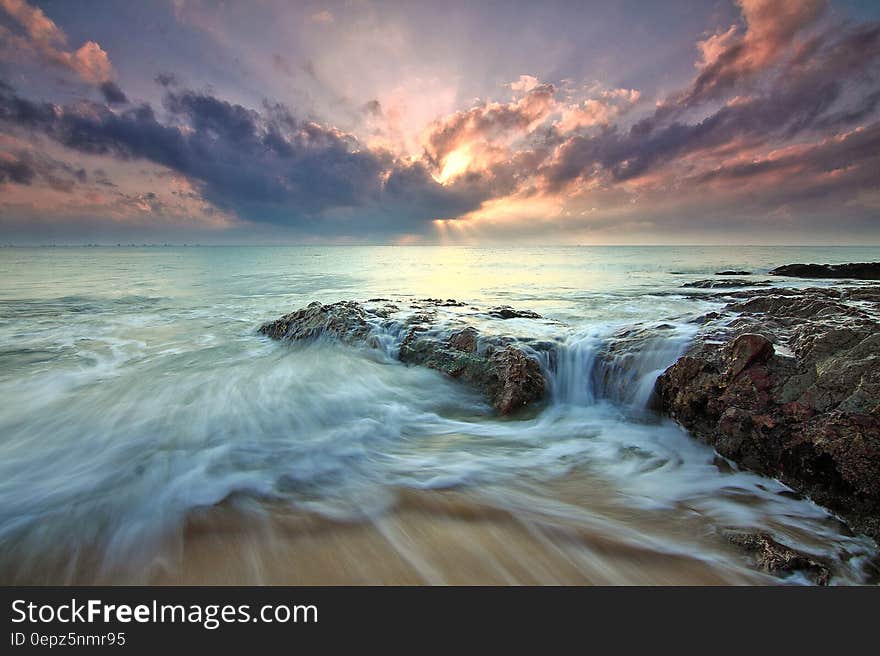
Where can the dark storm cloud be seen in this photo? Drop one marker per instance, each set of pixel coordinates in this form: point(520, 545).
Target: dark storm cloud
point(264, 166)
point(16, 171)
point(26, 166)
point(854, 150)
point(113, 94)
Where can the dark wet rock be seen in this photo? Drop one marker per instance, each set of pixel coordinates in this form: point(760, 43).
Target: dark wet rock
point(733, 273)
point(729, 283)
point(808, 305)
point(541, 345)
point(506, 371)
point(439, 302)
point(386, 310)
point(706, 318)
point(778, 559)
point(510, 377)
point(464, 340)
point(856, 271)
point(747, 350)
point(423, 318)
point(790, 387)
point(345, 321)
point(516, 379)
point(507, 312)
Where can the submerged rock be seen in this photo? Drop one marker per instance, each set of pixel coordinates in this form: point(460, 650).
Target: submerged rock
point(507, 372)
point(439, 302)
point(856, 271)
point(733, 273)
point(507, 312)
point(722, 284)
point(791, 388)
point(775, 558)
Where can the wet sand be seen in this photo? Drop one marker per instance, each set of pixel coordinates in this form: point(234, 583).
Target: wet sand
point(469, 537)
point(443, 538)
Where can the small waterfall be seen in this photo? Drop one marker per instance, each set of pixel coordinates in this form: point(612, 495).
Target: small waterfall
point(386, 336)
point(571, 370)
point(621, 367)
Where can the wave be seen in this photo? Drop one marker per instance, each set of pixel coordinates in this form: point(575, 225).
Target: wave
point(111, 448)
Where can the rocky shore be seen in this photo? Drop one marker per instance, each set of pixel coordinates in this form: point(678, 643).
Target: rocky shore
point(784, 382)
point(853, 271)
point(787, 383)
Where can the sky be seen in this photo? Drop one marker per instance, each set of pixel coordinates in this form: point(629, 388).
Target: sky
point(358, 121)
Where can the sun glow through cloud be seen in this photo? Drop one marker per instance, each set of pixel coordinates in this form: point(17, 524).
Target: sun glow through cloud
point(350, 121)
point(454, 165)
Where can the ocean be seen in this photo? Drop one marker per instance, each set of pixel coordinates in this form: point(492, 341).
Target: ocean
point(149, 433)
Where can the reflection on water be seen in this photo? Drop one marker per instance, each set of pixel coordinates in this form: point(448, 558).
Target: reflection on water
point(138, 396)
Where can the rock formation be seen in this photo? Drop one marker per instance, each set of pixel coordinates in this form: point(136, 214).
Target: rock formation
point(856, 271)
point(726, 283)
point(787, 383)
point(506, 371)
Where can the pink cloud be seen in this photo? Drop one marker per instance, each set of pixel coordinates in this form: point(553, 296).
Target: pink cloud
point(732, 56)
point(44, 39)
point(597, 111)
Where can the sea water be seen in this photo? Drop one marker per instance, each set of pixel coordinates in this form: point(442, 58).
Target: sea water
point(135, 388)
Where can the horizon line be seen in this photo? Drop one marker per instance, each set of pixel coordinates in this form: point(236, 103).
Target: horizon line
point(424, 245)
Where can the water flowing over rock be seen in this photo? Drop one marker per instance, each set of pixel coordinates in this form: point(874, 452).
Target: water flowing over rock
point(784, 382)
point(507, 372)
point(787, 383)
point(778, 559)
point(855, 271)
point(621, 367)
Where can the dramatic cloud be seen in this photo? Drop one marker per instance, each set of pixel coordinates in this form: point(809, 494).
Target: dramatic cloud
point(732, 57)
point(43, 39)
point(597, 111)
point(843, 167)
point(265, 166)
point(336, 121)
point(20, 164)
point(807, 95)
point(480, 136)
